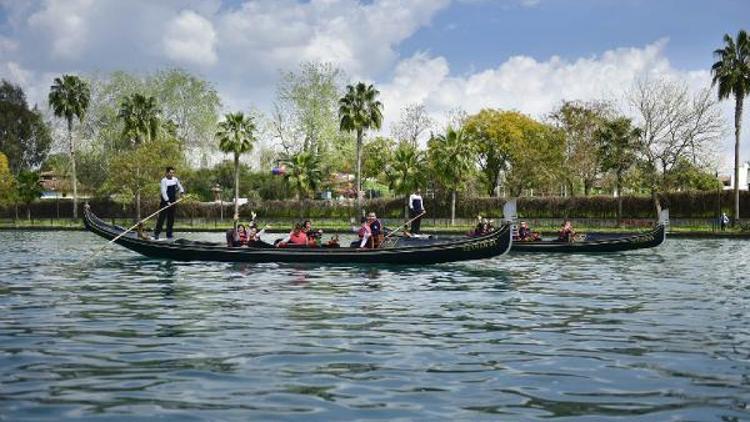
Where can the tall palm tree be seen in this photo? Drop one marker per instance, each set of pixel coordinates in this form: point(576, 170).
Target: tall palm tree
point(359, 110)
point(69, 97)
point(141, 118)
point(303, 173)
point(451, 159)
point(236, 135)
point(141, 123)
point(732, 73)
point(617, 141)
point(405, 172)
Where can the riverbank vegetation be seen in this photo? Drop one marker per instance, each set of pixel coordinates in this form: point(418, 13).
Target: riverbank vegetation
point(117, 132)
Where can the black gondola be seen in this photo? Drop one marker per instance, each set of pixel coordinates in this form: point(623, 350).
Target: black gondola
point(597, 243)
point(493, 244)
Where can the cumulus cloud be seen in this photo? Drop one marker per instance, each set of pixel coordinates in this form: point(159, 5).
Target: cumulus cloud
point(66, 22)
point(190, 38)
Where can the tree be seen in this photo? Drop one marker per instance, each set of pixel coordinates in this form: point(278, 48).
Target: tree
point(451, 158)
point(141, 118)
point(28, 189)
point(359, 110)
point(150, 158)
point(513, 149)
point(69, 97)
point(617, 142)
point(579, 122)
point(24, 136)
point(405, 173)
point(687, 176)
point(731, 72)
point(304, 117)
point(236, 135)
point(7, 182)
point(141, 123)
point(412, 125)
point(675, 125)
point(303, 174)
point(376, 155)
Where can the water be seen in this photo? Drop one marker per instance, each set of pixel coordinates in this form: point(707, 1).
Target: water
point(654, 335)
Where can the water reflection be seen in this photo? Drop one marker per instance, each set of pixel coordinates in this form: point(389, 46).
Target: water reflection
point(651, 335)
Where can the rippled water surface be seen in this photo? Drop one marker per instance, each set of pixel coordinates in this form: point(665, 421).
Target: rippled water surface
point(654, 335)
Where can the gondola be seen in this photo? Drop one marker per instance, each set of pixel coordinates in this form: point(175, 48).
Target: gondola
point(597, 243)
point(493, 244)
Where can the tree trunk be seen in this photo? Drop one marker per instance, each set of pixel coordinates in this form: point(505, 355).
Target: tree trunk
point(453, 208)
point(657, 204)
point(357, 176)
point(406, 209)
point(737, 126)
point(28, 212)
point(73, 168)
point(496, 189)
point(619, 199)
point(236, 186)
point(138, 196)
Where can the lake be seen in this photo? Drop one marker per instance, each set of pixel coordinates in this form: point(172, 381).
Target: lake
point(648, 335)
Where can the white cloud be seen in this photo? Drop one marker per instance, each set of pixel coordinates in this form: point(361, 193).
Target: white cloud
point(66, 23)
point(190, 38)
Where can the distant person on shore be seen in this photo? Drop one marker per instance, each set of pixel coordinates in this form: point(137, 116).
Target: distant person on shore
point(723, 221)
point(416, 209)
point(170, 189)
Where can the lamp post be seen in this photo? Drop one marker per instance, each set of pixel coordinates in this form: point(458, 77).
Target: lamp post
point(217, 198)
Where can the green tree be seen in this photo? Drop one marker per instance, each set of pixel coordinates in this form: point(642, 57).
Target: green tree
point(150, 158)
point(579, 122)
point(451, 159)
point(685, 175)
point(731, 72)
point(141, 118)
point(7, 182)
point(69, 98)
point(236, 135)
point(303, 174)
point(24, 136)
point(513, 149)
point(359, 110)
point(28, 189)
point(376, 155)
point(141, 123)
point(617, 141)
point(406, 172)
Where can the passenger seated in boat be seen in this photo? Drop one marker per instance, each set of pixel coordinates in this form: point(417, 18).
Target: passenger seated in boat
point(566, 233)
point(254, 240)
point(237, 237)
point(296, 237)
point(364, 234)
point(333, 242)
point(376, 230)
point(526, 235)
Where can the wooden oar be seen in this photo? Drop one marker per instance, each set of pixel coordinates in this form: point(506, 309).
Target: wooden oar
point(401, 227)
point(134, 226)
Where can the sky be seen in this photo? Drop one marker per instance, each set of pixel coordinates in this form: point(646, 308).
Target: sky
point(526, 55)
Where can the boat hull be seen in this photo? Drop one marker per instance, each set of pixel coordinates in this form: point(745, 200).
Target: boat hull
point(607, 244)
point(491, 245)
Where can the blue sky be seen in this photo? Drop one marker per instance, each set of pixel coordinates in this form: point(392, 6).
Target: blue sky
point(527, 55)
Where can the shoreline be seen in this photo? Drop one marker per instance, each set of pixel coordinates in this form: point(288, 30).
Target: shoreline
point(689, 234)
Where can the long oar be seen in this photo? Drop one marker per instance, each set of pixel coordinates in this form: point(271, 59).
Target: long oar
point(134, 226)
point(403, 226)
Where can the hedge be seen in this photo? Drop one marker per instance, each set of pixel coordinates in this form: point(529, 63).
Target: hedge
point(681, 205)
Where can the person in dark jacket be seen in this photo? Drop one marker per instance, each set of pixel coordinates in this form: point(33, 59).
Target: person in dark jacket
point(170, 189)
point(416, 209)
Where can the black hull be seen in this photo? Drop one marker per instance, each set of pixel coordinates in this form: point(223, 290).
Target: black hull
point(491, 245)
point(600, 244)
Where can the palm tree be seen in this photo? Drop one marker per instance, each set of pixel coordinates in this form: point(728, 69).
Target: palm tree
point(141, 118)
point(141, 123)
point(236, 135)
point(405, 173)
point(359, 110)
point(303, 173)
point(732, 73)
point(451, 159)
point(69, 97)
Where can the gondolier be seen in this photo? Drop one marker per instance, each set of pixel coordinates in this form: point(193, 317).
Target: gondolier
point(416, 209)
point(170, 187)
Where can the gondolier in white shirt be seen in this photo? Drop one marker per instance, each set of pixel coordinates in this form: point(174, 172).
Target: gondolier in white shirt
point(416, 209)
point(170, 188)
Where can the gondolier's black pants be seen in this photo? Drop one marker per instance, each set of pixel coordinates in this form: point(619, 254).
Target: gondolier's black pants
point(415, 225)
point(169, 215)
